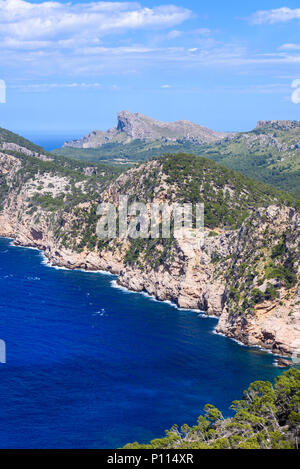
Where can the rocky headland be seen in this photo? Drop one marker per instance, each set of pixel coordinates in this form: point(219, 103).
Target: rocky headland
point(244, 270)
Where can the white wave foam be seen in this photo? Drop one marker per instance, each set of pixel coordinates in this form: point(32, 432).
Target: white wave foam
point(45, 261)
point(114, 283)
point(259, 347)
point(101, 313)
point(7, 276)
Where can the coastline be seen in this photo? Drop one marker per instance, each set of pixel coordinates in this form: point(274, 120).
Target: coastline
point(193, 277)
point(114, 283)
point(178, 348)
point(46, 261)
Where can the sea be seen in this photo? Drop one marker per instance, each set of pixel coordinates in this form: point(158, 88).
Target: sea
point(52, 141)
point(91, 365)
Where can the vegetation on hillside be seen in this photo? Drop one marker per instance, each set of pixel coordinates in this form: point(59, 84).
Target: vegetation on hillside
point(133, 152)
point(229, 197)
point(10, 137)
point(267, 417)
point(258, 155)
point(270, 155)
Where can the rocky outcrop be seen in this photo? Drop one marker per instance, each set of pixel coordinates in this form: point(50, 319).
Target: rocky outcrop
point(216, 274)
point(274, 326)
point(188, 280)
point(191, 280)
point(278, 124)
point(136, 126)
point(25, 151)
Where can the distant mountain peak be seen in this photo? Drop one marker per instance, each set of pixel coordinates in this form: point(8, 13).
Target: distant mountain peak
point(136, 126)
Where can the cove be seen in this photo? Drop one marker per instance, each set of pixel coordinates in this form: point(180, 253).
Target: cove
point(93, 366)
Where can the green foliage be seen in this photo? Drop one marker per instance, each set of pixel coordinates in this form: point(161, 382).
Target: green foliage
point(279, 272)
point(268, 417)
point(278, 250)
point(199, 180)
point(151, 252)
point(212, 233)
point(270, 293)
point(133, 152)
point(47, 202)
point(253, 154)
point(10, 137)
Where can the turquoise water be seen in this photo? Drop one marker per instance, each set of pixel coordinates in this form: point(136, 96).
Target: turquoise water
point(92, 366)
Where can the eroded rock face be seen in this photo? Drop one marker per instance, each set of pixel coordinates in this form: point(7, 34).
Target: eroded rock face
point(17, 148)
point(136, 126)
point(191, 280)
point(275, 327)
point(196, 275)
point(278, 124)
point(187, 281)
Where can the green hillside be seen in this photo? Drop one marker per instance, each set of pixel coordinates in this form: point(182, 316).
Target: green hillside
point(270, 153)
point(132, 152)
point(10, 137)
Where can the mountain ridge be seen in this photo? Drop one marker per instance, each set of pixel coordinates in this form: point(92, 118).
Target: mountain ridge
point(269, 153)
point(136, 126)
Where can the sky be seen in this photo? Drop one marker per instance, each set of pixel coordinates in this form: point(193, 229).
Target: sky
point(68, 67)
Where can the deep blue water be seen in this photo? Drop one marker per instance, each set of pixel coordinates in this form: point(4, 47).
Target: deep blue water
point(52, 141)
point(92, 366)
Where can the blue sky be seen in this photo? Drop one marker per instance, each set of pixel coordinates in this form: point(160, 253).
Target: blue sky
point(69, 67)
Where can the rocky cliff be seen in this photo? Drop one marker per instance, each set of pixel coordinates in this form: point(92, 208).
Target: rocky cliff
point(136, 126)
point(245, 269)
point(278, 124)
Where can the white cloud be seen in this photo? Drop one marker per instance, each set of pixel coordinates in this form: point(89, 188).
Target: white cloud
point(2, 92)
point(295, 83)
point(49, 86)
point(295, 97)
point(173, 34)
point(202, 31)
point(49, 22)
point(166, 86)
point(69, 42)
point(42, 39)
point(290, 47)
point(277, 15)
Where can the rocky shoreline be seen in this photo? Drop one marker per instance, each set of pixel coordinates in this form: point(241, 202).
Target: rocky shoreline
point(216, 274)
point(270, 332)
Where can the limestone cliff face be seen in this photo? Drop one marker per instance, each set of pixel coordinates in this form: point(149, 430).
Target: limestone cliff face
point(136, 126)
point(195, 280)
point(189, 280)
point(273, 323)
point(232, 274)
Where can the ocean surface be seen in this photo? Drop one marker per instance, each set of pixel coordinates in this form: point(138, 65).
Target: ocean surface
point(52, 141)
point(93, 366)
